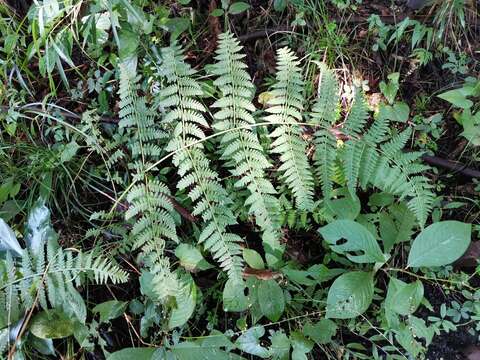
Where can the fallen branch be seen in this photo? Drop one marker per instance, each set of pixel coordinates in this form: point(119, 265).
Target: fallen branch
point(451, 165)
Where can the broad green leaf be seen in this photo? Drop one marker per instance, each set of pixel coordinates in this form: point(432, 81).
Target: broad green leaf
point(357, 237)
point(109, 310)
point(238, 7)
point(253, 259)
point(74, 305)
point(192, 351)
point(350, 295)
point(345, 206)
point(185, 301)
point(249, 342)
point(403, 298)
point(129, 41)
point(177, 25)
point(191, 258)
point(69, 151)
point(458, 97)
point(390, 89)
point(280, 5)
point(271, 299)
point(280, 348)
point(399, 112)
point(321, 332)
point(301, 345)
point(440, 244)
point(8, 240)
point(217, 12)
point(234, 298)
point(38, 229)
point(51, 324)
point(471, 126)
point(133, 354)
point(43, 346)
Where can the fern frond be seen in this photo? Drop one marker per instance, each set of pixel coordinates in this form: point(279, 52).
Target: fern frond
point(326, 107)
point(358, 115)
point(324, 113)
point(286, 106)
point(183, 113)
point(51, 274)
point(240, 147)
point(368, 157)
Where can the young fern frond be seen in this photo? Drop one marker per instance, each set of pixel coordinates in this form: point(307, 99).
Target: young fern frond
point(286, 106)
point(183, 114)
point(240, 147)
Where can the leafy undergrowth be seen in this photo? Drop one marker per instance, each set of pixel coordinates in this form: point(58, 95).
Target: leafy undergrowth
point(231, 180)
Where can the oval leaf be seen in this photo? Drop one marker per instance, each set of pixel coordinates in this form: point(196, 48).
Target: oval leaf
point(253, 259)
point(238, 7)
point(350, 295)
point(234, 298)
point(109, 310)
point(403, 298)
point(358, 238)
point(271, 299)
point(191, 258)
point(186, 301)
point(133, 353)
point(440, 244)
point(51, 324)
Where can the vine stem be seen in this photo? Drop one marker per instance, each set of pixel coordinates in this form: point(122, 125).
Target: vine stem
point(427, 278)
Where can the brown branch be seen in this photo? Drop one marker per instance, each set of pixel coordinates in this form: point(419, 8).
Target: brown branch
point(451, 165)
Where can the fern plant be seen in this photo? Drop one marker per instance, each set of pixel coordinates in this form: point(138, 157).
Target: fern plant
point(240, 147)
point(46, 275)
point(369, 155)
point(182, 113)
point(286, 107)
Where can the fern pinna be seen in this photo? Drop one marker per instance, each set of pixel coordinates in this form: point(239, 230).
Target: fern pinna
point(285, 107)
point(367, 158)
point(183, 114)
point(240, 146)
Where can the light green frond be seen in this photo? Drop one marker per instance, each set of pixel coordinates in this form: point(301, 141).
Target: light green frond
point(286, 106)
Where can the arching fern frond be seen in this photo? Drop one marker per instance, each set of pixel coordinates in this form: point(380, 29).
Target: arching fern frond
point(286, 106)
point(183, 115)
